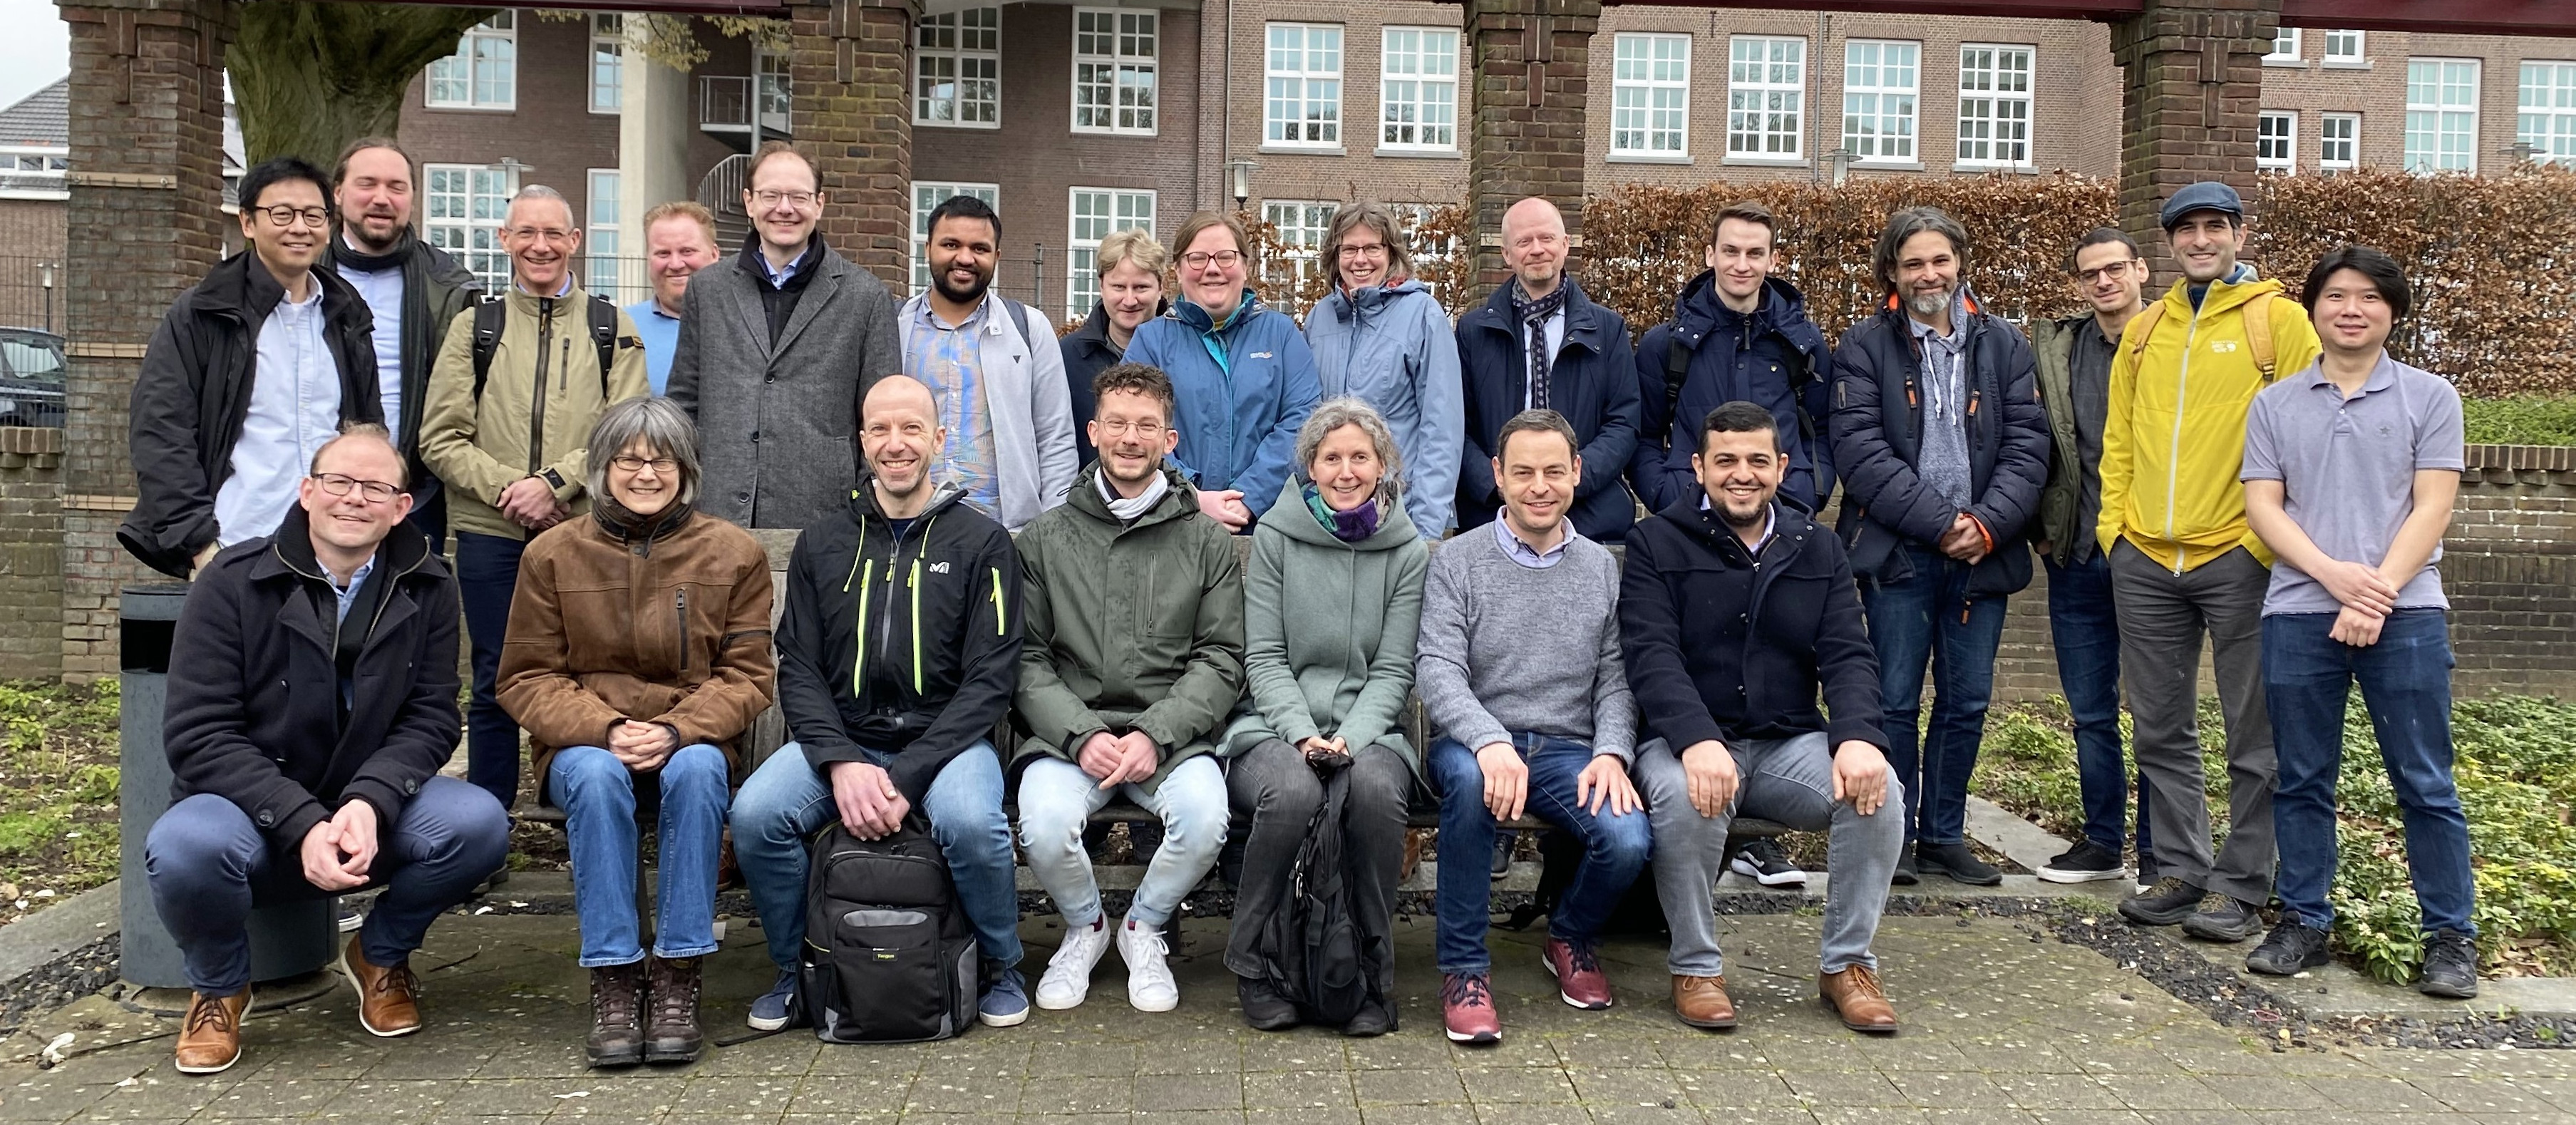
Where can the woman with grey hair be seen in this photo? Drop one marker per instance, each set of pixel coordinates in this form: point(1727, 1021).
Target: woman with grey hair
point(1332, 597)
point(638, 656)
point(1381, 336)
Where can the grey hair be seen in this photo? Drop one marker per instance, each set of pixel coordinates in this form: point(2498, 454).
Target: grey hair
point(1906, 224)
point(541, 191)
point(1336, 413)
point(665, 428)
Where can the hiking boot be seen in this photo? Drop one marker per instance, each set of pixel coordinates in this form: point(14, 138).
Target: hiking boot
point(1467, 1008)
point(1263, 1008)
point(2086, 862)
point(1373, 1019)
point(1068, 974)
point(1150, 987)
point(673, 1036)
point(2224, 918)
point(2169, 901)
point(2293, 947)
point(210, 1038)
point(1958, 862)
point(1577, 969)
point(388, 996)
point(776, 1009)
point(1854, 995)
point(1005, 1002)
point(1703, 1002)
point(616, 1015)
point(1763, 862)
point(2450, 966)
point(1904, 875)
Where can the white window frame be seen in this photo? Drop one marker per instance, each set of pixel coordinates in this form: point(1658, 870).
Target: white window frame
point(1117, 88)
point(1092, 214)
point(492, 44)
point(463, 207)
point(1650, 96)
point(772, 85)
point(1892, 110)
point(2434, 127)
point(1417, 91)
point(942, 43)
point(1301, 106)
point(2328, 125)
point(1766, 98)
point(607, 62)
point(35, 172)
point(2276, 140)
point(2358, 41)
point(2285, 46)
point(927, 195)
point(1994, 99)
point(1301, 239)
point(600, 245)
point(2545, 116)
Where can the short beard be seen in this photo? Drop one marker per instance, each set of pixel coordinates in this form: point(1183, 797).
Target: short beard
point(983, 282)
point(1761, 512)
point(354, 233)
point(1110, 467)
point(1929, 304)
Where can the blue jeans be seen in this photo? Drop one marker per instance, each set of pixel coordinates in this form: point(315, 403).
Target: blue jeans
point(209, 866)
point(1615, 848)
point(1928, 615)
point(597, 794)
point(786, 802)
point(1057, 800)
point(2406, 686)
point(2085, 631)
point(487, 577)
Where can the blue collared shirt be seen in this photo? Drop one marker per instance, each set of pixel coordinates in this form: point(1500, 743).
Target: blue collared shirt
point(660, 332)
point(1528, 556)
point(294, 407)
point(779, 275)
point(348, 594)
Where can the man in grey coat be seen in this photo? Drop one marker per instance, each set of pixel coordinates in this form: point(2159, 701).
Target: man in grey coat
point(777, 348)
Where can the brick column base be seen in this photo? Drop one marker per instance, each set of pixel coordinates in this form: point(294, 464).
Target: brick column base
point(1533, 67)
point(2191, 105)
point(851, 64)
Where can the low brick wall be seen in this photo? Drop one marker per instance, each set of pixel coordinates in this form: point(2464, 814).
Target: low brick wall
point(31, 553)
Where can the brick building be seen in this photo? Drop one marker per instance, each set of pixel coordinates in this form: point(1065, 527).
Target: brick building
point(35, 152)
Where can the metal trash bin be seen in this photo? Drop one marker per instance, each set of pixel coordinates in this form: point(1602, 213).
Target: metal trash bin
point(286, 940)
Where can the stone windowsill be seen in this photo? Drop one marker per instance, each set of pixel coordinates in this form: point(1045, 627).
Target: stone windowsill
point(1642, 158)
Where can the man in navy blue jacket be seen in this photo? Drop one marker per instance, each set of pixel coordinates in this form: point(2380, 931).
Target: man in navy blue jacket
point(1539, 343)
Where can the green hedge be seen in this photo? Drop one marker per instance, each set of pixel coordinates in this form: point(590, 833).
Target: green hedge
point(2533, 420)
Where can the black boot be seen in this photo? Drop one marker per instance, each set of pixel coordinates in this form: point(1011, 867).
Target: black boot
point(616, 1007)
point(673, 1035)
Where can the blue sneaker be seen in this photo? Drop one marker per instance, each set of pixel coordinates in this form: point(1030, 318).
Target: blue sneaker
point(1005, 1002)
point(776, 1009)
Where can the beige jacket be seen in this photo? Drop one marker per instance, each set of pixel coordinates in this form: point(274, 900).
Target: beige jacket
point(544, 392)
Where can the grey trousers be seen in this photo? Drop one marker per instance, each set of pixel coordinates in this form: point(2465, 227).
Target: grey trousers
point(1790, 781)
point(2162, 617)
point(1272, 786)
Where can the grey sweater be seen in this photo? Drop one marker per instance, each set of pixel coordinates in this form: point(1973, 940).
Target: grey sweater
point(1505, 648)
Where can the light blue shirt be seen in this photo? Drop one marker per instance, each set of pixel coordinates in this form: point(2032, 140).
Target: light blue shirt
point(348, 594)
point(294, 408)
point(779, 275)
point(1526, 555)
point(947, 360)
point(660, 332)
point(383, 291)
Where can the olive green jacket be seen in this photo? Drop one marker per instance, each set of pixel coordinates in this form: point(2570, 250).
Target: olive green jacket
point(2052, 346)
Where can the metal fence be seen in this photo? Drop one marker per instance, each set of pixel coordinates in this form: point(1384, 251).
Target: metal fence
point(31, 292)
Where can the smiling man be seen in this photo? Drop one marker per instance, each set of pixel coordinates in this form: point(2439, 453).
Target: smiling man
point(679, 240)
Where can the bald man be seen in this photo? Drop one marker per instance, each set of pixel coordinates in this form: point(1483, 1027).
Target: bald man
point(911, 732)
point(1539, 344)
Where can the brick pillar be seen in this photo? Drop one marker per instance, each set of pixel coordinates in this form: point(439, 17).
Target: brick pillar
point(2191, 104)
point(31, 553)
point(1532, 73)
point(851, 71)
point(147, 130)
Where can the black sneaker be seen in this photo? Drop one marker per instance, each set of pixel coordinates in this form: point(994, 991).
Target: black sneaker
point(1904, 875)
point(1959, 862)
point(2450, 966)
point(2293, 947)
point(2086, 862)
point(1262, 1006)
point(1763, 862)
point(1502, 853)
point(2169, 901)
point(2224, 918)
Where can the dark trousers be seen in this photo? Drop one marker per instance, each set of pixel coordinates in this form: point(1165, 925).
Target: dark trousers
point(1929, 617)
point(2085, 631)
point(2163, 616)
point(1273, 788)
point(487, 576)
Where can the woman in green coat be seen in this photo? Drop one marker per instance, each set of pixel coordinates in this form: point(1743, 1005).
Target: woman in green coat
point(1332, 597)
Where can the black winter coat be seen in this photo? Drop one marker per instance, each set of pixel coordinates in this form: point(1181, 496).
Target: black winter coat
point(1729, 357)
point(1878, 425)
point(194, 391)
point(1762, 636)
point(254, 707)
point(1088, 352)
point(1594, 382)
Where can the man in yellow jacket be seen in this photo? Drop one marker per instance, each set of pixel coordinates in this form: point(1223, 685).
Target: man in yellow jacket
point(2183, 560)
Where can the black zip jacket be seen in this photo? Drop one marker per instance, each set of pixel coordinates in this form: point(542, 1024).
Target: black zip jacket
point(908, 646)
point(1088, 352)
point(1763, 634)
point(1731, 356)
point(254, 713)
point(436, 287)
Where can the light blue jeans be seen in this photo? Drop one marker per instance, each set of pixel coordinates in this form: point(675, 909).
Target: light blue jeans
point(597, 794)
point(1057, 799)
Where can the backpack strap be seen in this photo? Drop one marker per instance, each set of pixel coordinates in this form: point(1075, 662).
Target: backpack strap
point(1802, 371)
point(1676, 371)
point(2143, 327)
point(603, 332)
point(2258, 335)
point(491, 312)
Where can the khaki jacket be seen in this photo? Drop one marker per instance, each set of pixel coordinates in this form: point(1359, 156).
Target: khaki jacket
point(544, 393)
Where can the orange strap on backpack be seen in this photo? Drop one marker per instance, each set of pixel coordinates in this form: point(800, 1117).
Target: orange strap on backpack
point(2258, 332)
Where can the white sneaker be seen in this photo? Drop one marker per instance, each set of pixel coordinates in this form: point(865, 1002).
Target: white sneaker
point(1068, 973)
point(1149, 980)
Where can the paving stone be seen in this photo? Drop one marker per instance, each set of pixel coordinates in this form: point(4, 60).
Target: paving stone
point(378, 1101)
point(1407, 1087)
point(1936, 1089)
point(1299, 1089)
point(258, 1099)
point(2039, 1092)
point(1162, 1093)
point(2482, 1095)
point(1844, 1088)
point(1508, 1085)
point(1304, 1115)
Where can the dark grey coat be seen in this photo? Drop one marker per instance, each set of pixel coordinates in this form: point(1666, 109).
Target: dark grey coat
point(777, 423)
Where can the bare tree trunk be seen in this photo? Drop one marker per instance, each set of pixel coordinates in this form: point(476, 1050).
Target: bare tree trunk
point(312, 76)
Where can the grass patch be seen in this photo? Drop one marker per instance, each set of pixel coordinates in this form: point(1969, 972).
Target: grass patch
point(2533, 420)
point(58, 778)
point(2516, 769)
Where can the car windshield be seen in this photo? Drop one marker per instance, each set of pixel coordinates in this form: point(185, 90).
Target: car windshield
point(30, 358)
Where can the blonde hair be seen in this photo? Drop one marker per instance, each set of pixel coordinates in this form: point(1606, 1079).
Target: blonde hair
point(684, 209)
point(1132, 245)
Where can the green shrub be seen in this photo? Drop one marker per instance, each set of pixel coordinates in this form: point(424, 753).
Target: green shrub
point(2533, 420)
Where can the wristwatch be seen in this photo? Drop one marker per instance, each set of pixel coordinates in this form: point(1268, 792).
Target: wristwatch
point(553, 479)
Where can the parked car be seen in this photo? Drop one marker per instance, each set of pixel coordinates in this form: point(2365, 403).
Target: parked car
point(31, 377)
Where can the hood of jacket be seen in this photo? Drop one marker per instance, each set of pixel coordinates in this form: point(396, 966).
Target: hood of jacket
point(1180, 500)
point(1292, 518)
point(1195, 315)
point(1699, 310)
point(1362, 304)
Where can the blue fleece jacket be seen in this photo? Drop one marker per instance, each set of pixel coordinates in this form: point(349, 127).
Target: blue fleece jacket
point(1393, 346)
point(1243, 389)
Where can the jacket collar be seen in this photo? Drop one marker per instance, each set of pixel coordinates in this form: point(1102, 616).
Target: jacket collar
point(1789, 531)
point(616, 523)
point(1190, 313)
point(1582, 323)
point(1181, 501)
point(757, 269)
point(863, 500)
point(241, 288)
point(1291, 517)
point(1361, 304)
point(290, 551)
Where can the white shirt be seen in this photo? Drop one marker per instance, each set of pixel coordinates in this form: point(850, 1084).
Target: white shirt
point(383, 292)
point(294, 408)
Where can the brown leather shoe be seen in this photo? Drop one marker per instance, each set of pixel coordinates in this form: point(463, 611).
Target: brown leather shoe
point(210, 1038)
point(1703, 1002)
point(388, 997)
point(1854, 995)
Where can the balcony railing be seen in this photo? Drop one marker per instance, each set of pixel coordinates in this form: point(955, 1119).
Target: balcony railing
point(724, 106)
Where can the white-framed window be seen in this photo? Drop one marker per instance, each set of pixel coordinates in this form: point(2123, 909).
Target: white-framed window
point(1114, 70)
point(1881, 80)
point(926, 197)
point(467, 203)
point(1650, 95)
point(2338, 142)
point(35, 172)
point(599, 242)
point(2441, 115)
point(2285, 45)
point(957, 69)
point(774, 91)
point(1417, 93)
point(2343, 47)
point(2547, 121)
point(1766, 96)
point(1994, 104)
point(1304, 106)
point(484, 71)
point(1301, 224)
point(607, 61)
point(2276, 141)
point(1097, 213)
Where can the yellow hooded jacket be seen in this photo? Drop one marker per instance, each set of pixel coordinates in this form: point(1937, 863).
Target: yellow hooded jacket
point(2175, 435)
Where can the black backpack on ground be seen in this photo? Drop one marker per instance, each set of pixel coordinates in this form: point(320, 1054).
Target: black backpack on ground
point(1311, 952)
point(1639, 911)
point(889, 954)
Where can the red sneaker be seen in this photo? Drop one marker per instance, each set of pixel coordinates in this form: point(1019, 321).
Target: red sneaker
point(1577, 969)
point(1467, 1006)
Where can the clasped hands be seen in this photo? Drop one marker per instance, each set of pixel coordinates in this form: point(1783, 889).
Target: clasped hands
point(2368, 598)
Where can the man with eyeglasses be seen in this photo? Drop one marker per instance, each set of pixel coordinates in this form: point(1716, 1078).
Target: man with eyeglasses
point(520, 381)
point(312, 700)
point(251, 371)
point(777, 349)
